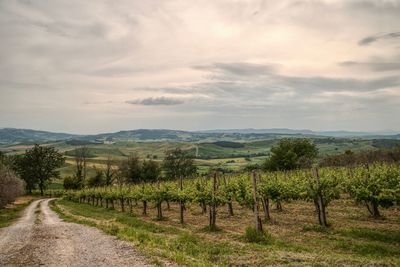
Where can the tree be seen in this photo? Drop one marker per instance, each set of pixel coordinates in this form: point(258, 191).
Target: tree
point(96, 180)
point(178, 164)
point(39, 165)
point(151, 171)
point(72, 183)
point(81, 155)
point(290, 154)
point(130, 170)
point(323, 186)
point(376, 186)
point(10, 186)
point(109, 172)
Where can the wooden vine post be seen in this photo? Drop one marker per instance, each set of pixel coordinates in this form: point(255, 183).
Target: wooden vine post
point(230, 207)
point(181, 204)
point(213, 209)
point(256, 208)
point(319, 200)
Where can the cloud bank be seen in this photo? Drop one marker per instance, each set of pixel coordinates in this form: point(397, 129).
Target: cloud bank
point(96, 66)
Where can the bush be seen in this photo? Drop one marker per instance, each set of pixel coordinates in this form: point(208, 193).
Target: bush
point(10, 186)
point(96, 180)
point(254, 236)
point(72, 183)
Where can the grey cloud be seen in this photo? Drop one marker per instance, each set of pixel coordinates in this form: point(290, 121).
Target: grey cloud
point(73, 30)
point(324, 83)
point(116, 71)
point(370, 39)
point(304, 85)
point(238, 68)
point(55, 52)
point(375, 66)
point(156, 101)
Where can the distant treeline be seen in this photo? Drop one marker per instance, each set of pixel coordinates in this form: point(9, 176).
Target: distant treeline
point(350, 158)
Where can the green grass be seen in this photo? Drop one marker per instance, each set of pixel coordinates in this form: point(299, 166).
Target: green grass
point(386, 236)
point(155, 241)
point(196, 246)
point(10, 214)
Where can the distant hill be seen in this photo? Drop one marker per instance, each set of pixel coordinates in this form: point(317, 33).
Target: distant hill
point(25, 136)
point(12, 135)
point(306, 132)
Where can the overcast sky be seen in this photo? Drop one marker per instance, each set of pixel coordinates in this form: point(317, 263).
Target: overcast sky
point(96, 66)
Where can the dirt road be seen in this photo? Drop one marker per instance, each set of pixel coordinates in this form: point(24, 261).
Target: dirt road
point(41, 238)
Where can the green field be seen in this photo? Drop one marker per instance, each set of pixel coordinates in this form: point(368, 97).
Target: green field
point(354, 239)
point(224, 153)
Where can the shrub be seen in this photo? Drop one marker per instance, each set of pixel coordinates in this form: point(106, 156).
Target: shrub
point(10, 186)
point(254, 236)
point(73, 183)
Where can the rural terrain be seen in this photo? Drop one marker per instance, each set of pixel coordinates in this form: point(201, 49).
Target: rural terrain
point(41, 238)
point(226, 149)
point(225, 215)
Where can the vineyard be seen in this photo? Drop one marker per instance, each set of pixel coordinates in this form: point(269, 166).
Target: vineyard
point(372, 186)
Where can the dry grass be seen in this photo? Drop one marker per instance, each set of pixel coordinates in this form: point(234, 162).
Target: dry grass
point(354, 238)
point(13, 210)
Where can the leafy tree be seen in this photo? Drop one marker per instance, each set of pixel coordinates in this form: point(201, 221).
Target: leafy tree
point(10, 186)
point(109, 172)
point(7, 160)
point(96, 180)
point(177, 164)
point(290, 154)
point(73, 183)
point(151, 171)
point(323, 187)
point(130, 170)
point(38, 165)
point(376, 186)
point(81, 155)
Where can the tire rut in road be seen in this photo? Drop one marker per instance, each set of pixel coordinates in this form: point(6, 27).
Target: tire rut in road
point(52, 242)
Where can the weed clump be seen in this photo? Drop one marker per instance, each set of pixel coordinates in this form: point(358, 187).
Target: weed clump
point(254, 236)
point(113, 230)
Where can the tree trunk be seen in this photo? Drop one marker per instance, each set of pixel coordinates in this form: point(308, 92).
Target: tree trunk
point(317, 210)
point(130, 206)
point(319, 201)
point(41, 187)
point(213, 210)
point(168, 205)
point(203, 208)
point(144, 207)
point(256, 210)
point(265, 202)
point(122, 201)
point(181, 204)
point(159, 211)
point(322, 213)
point(279, 206)
point(107, 203)
point(375, 210)
point(230, 208)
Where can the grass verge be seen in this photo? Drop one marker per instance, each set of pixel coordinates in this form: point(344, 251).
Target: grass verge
point(159, 243)
point(13, 211)
point(165, 242)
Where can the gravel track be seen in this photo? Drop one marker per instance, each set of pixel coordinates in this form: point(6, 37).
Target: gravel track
point(43, 239)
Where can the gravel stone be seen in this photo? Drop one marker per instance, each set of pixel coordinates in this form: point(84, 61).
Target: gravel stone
point(53, 242)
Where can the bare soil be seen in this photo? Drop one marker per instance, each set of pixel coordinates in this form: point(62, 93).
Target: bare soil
point(41, 238)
